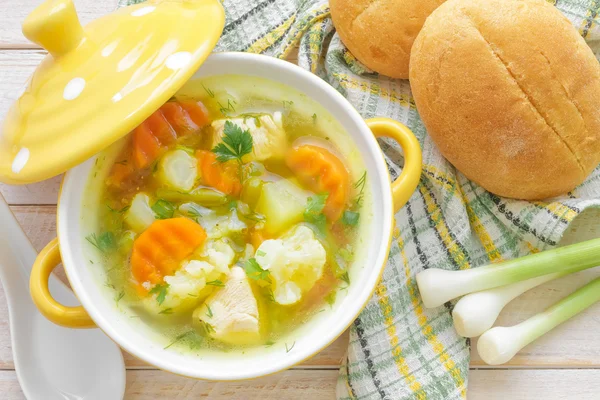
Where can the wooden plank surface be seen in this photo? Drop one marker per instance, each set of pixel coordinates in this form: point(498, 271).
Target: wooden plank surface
point(320, 385)
point(14, 12)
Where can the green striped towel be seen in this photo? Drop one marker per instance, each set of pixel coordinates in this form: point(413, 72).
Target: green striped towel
point(398, 349)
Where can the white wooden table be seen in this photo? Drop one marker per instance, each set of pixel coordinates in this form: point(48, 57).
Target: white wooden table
point(563, 365)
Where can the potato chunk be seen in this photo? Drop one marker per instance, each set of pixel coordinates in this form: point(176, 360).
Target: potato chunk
point(232, 311)
point(283, 204)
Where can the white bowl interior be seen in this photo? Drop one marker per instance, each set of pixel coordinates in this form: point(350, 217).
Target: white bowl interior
point(141, 341)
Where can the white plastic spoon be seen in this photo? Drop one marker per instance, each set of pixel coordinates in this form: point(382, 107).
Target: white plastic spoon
point(52, 362)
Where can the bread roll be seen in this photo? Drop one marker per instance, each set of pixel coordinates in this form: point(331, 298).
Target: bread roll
point(510, 92)
point(380, 33)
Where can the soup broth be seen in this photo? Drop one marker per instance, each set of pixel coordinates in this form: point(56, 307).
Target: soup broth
point(232, 214)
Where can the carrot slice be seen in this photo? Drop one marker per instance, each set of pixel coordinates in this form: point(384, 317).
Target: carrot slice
point(179, 118)
point(321, 171)
point(146, 146)
point(196, 111)
point(222, 176)
point(161, 248)
point(154, 136)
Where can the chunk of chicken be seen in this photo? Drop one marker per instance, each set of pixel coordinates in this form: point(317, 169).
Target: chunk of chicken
point(268, 136)
point(232, 311)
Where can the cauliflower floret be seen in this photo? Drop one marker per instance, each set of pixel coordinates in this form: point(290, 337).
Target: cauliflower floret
point(295, 262)
point(232, 311)
point(188, 285)
point(268, 136)
point(218, 226)
point(219, 254)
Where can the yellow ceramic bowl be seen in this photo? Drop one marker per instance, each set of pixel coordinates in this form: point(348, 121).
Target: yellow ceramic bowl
point(99, 309)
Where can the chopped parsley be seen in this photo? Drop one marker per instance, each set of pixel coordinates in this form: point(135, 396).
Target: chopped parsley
point(255, 271)
point(352, 215)
point(209, 312)
point(163, 209)
point(166, 311)
point(236, 143)
point(103, 242)
point(161, 292)
point(216, 282)
point(260, 253)
point(314, 211)
point(330, 298)
point(350, 218)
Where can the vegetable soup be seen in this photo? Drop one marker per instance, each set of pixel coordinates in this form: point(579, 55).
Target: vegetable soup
point(232, 214)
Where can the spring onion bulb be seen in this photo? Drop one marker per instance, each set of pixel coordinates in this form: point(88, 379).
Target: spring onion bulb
point(500, 344)
point(476, 312)
point(438, 286)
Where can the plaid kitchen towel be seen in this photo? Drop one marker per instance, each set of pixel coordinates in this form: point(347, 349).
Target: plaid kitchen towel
point(398, 349)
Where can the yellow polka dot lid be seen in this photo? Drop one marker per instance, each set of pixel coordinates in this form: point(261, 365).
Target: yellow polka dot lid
point(99, 82)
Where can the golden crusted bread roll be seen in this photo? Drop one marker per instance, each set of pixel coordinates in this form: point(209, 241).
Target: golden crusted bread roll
point(510, 92)
point(380, 33)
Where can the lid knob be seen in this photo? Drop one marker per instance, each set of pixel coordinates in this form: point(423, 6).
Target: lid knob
point(54, 25)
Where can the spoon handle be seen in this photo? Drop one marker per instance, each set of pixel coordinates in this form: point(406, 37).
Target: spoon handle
point(16, 253)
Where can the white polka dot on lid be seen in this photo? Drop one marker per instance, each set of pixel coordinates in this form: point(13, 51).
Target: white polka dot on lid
point(108, 49)
point(178, 60)
point(143, 11)
point(74, 88)
point(117, 97)
point(20, 160)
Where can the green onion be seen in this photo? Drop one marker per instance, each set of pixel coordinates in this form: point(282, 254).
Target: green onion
point(437, 286)
point(476, 312)
point(163, 209)
point(500, 344)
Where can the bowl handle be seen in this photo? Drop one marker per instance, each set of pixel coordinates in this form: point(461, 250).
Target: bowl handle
point(404, 186)
point(70, 317)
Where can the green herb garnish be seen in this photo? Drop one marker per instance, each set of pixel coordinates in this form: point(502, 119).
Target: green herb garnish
point(210, 93)
point(166, 311)
point(209, 312)
point(103, 242)
point(350, 218)
point(226, 111)
point(192, 336)
point(288, 349)
point(119, 211)
point(236, 143)
point(360, 186)
point(269, 343)
point(314, 118)
point(120, 296)
point(255, 271)
point(260, 253)
point(161, 291)
point(163, 209)
point(216, 282)
point(314, 211)
point(330, 298)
